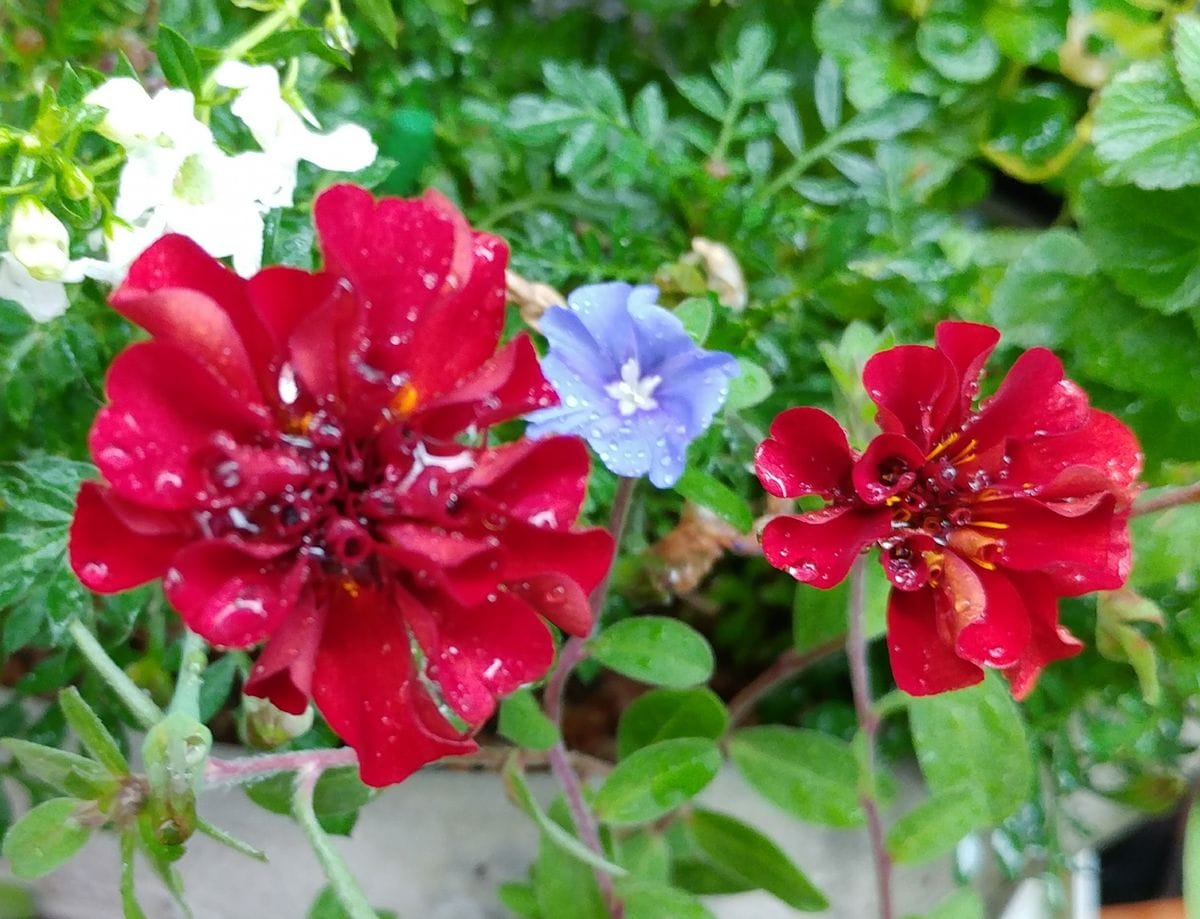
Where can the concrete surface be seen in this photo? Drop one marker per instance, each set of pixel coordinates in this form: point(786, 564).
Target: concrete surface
point(437, 846)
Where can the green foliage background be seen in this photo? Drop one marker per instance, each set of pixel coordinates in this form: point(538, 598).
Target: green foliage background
point(874, 166)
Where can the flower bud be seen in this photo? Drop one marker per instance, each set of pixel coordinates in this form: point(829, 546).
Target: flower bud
point(38, 240)
point(265, 727)
point(338, 33)
point(75, 183)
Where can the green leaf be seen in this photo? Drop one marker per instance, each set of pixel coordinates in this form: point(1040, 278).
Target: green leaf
point(657, 901)
point(696, 314)
point(649, 113)
point(934, 827)
point(518, 788)
point(45, 838)
point(1191, 862)
point(130, 906)
point(645, 855)
point(336, 799)
point(703, 94)
point(178, 60)
point(974, 739)
point(788, 127)
point(216, 685)
point(381, 16)
point(819, 616)
point(91, 731)
point(745, 853)
point(656, 650)
point(520, 899)
point(893, 117)
point(1147, 129)
point(1165, 544)
point(809, 774)
point(524, 723)
point(719, 498)
point(955, 44)
point(749, 387)
point(964, 903)
point(563, 885)
point(1147, 241)
point(827, 92)
point(665, 714)
point(294, 43)
point(1118, 639)
point(65, 772)
point(657, 779)
point(1186, 43)
point(328, 906)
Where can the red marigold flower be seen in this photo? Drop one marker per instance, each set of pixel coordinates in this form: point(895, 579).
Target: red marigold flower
point(984, 516)
point(303, 458)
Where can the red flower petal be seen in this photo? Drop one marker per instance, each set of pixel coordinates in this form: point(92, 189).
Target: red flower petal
point(583, 556)
point(806, 454)
point(231, 598)
point(109, 555)
point(165, 409)
point(485, 652)
point(284, 670)
point(923, 664)
point(1081, 553)
point(968, 346)
point(889, 465)
point(1034, 399)
point(820, 547)
point(1051, 642)
point(1102, 444)
point(366, 688)
point(507, 386)
point(915, 388)
point(558, 599)
point(542, 481)
point(175, 262)
point(981, 613)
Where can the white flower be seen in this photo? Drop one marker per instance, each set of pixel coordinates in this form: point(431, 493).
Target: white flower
point(281, 132)
point(38, 240)
point(46, 298)
point(177, 180)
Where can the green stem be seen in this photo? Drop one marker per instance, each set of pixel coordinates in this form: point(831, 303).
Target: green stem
point(144, 710)
point(802, 164)
point(348, 892)
point(254, 36)
point(721, 147)
point(193, 659)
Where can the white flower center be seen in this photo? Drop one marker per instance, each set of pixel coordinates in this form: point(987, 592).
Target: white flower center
point(634, 391)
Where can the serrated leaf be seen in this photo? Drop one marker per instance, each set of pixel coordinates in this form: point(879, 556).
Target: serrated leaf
point(657, 779)
point(524, 723)
point(934, 827)
point(583, 147)
point(1147, 129)
point(747, 854)
point(665, 714)
point(655, 650)
point(809, 774)
point(718, 497)
point(974, 739)
point(45, 838)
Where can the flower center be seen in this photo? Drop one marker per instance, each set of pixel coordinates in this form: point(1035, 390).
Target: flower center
point(634, 391)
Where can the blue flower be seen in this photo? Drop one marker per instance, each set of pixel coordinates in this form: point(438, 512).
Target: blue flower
point(630, 379)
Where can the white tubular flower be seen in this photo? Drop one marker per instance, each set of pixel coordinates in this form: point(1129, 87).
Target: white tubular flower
point(38, 240)
point(281, 132)
point(42, 300)
point(137, 122)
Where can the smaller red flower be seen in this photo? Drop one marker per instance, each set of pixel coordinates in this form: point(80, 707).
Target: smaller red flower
point(303, 457)
point(984, 516)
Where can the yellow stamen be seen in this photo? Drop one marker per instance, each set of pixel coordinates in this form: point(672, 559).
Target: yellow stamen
point(350, 586)
point(404, 401)
point(944, 445)
point(893, 501)
point(299, 425)
point(989, 524)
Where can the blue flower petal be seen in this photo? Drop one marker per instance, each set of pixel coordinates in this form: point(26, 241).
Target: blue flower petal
point(602, 307)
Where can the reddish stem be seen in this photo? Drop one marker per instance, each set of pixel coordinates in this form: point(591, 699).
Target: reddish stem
point(868, 723)
point(219, 772)
point(787, 665)
point(572, 652)
point(1175, 497)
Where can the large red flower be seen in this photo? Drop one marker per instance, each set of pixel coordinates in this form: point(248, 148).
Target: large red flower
point(984, 516)
point(303, 457)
